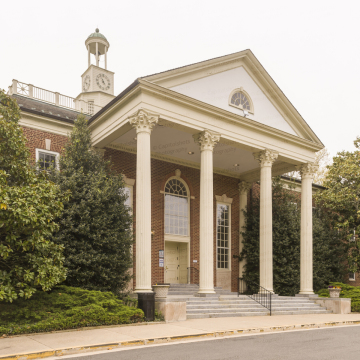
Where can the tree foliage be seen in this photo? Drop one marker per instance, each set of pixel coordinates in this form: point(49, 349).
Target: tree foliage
point(29, 205)
point(328, 250)
point(342, 198)
point(96, 225)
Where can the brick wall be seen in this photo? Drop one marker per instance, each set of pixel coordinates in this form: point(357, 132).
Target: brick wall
point(36, 140)
point(161, 171)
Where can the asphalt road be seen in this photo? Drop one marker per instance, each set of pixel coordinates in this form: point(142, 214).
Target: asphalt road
point(329, 343)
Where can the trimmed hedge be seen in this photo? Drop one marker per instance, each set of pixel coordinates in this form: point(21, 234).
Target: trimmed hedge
point(347, 291)
point(65, 308)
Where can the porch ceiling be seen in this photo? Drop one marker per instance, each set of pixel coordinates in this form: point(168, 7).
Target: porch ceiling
point(173, 145)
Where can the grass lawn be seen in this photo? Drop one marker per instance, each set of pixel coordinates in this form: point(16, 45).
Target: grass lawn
point(347, 291)
point(65, 308)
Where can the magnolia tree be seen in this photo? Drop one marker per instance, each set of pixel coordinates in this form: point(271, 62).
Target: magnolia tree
point(29, 205)
point(342, 199)
point(96, 225)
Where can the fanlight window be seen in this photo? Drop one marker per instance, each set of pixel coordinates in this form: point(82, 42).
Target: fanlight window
point(240, 99)
point(176, 208)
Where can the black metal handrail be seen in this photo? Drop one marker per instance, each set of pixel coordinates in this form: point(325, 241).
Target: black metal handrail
point(194, 277)
point(263, 297)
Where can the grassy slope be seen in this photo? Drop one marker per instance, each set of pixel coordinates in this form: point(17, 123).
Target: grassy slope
point(65, 308)
point(347, 291)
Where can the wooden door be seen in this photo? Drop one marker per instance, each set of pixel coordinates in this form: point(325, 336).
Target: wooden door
point(171, 262)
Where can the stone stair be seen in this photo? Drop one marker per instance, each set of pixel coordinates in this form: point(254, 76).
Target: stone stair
point(227, 304)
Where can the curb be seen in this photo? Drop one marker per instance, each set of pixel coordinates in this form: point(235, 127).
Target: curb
point(111, 346)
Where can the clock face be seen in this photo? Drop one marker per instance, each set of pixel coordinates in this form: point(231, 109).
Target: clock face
point(86, 83)
point(103, 82)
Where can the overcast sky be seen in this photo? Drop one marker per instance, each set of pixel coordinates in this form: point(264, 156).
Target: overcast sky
point(310, 48)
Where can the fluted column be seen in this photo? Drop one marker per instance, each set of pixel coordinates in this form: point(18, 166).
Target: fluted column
point(143, 122)
point(207, 141)
point(306, 236)
point(266, 158)
point(243, 192)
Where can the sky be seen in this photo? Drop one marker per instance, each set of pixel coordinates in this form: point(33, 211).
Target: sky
point(310, 48)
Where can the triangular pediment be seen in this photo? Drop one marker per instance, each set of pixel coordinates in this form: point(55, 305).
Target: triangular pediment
point(214, 81)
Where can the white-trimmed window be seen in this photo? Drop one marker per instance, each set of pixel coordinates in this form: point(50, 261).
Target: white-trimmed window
point(176, 207)
point(352, 276)
point(47, 160)
point(240, 98)
point(223, 235)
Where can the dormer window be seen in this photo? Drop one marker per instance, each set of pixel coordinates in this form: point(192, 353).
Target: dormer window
point(240, 99)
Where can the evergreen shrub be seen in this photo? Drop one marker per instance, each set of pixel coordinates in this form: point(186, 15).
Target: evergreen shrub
point(329, 253)
point(65, 308)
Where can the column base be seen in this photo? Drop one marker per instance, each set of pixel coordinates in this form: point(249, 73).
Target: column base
point(143, 291)
point(306, 292)
point(202, 292)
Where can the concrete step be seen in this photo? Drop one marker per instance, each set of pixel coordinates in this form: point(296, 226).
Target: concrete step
point(298, 312)
point(219, 315)
point(225, 306)
point(224, 310)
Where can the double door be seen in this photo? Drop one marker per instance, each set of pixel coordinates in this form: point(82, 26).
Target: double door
point(176, 259)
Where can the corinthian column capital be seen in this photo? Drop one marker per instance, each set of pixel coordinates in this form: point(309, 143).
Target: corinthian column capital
point(308, 169)
point(207, 140)
point(143, 121)
point(244, 187)
point(266, 157)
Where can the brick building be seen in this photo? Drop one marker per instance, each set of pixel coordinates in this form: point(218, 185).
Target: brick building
point(189, 142)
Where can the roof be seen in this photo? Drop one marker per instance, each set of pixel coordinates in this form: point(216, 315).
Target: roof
point(97, 34)
point(41, 108)
point(299, 182)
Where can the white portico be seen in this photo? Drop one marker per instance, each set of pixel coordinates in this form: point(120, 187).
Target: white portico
point(222, 116)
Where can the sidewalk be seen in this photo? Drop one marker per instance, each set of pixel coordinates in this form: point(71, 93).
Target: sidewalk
point(110, 337)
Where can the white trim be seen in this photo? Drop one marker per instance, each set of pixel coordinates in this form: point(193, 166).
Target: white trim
point(224, 199)
point(173, 237)
point(57, 156)
point(241, 90)
point(354, 279)
point(229, 244)
point(177, 238)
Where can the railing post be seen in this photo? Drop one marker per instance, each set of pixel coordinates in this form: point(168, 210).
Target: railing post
point(14, 87)
point(57, 98)
point(31, 91)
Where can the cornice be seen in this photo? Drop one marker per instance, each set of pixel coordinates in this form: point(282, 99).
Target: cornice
point(54, 126)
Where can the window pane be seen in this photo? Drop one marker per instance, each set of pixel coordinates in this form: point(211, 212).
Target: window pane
point(222, 236)
point(176, 208)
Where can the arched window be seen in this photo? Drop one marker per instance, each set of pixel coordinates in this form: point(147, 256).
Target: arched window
point(176, 208)
point(239, 98)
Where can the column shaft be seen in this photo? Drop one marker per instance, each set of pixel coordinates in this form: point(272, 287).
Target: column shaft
point(266, 158)
point(143, 123)
point(306, 236)
point(207, 141)
point(97, 54)
point(89, 56)
point(105, 58)
point(206, 223)
point(143, 215)
point(266, 253)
